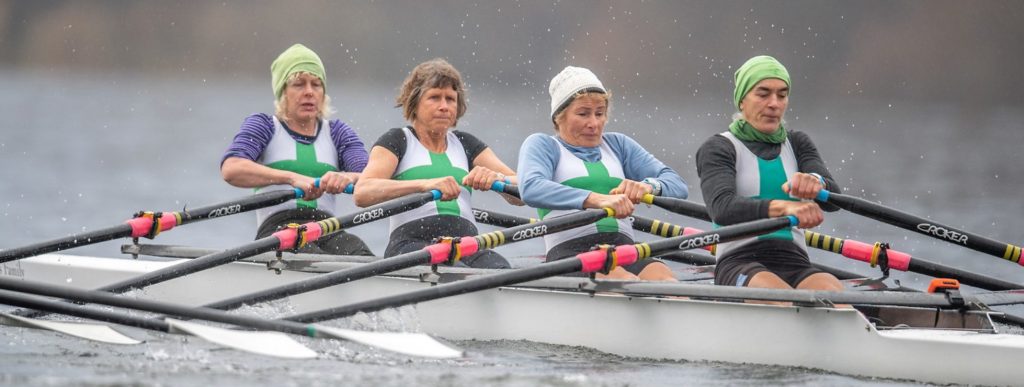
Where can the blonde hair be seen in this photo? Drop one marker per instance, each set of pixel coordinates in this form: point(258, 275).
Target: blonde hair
point(281, 104)
point(434, 73)
point(607, 97)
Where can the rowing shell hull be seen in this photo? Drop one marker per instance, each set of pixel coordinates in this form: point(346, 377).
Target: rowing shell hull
point(838, 340)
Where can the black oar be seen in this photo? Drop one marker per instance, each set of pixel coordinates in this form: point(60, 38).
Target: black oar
point(864, 252)
point(650, 226)
point(923, 226)
point(901, 261)
point(449, 251)
point(407, 343)
point(679, 206)
point(586, 262)
point(283, 240)
point(149, 224)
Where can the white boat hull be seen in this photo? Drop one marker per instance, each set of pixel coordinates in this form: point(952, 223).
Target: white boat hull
point(838, 340)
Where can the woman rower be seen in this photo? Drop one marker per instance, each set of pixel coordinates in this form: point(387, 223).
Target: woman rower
point(429, 155)
point(293, 147)
point(757, 169)
point(581, 166)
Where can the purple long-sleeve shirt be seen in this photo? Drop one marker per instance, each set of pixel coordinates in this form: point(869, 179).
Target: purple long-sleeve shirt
point(258, 129)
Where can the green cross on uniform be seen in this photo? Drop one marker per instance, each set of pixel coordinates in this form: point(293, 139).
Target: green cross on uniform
point(440, 166)
point(597, 180)
point(305, 164)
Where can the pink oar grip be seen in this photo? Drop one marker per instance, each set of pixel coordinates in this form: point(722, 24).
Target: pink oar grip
point(468, 246)
point(857, 250)
point(288, 237)
point(168, 221)
point(592, 260)
point(313, 231)
point(142, 225)
point(438, 252)
point(626, 255)
point(862, 252)
point(898, 260)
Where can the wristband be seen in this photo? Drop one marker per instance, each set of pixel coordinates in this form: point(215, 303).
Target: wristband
point(655, 185)
point(820, 179)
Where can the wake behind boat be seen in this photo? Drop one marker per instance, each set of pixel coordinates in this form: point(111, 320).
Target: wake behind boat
point(933, 337)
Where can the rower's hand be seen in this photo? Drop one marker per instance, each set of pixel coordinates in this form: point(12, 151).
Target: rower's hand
point(634, 190)
point(308, 185)
point(450, 189)
point(482, 178)
point(619, 203)
point(808, 213)
point(335, 182)
point(803, 186)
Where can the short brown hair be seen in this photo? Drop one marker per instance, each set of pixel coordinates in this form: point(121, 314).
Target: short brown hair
point(434, 73)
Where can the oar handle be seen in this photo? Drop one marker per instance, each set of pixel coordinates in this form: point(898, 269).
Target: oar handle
point(823, 196)
point(299, 193)
point(678, 206)
point(506, 187)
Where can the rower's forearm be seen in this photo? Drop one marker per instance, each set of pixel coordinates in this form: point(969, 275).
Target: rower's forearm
point(371, 191)
point(248, 174)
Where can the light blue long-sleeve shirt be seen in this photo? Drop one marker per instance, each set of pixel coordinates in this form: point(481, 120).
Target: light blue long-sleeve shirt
point(539, 156)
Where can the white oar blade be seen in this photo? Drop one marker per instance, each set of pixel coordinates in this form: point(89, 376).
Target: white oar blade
point(415, 344)
point(262, 343)
point(94, 332)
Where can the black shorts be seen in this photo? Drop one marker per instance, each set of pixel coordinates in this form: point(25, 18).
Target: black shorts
point(339, 243)
point(585, 243)
point(420, 233)
point(738, 270)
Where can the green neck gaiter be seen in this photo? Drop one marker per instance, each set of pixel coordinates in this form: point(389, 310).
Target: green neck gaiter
point(744, 131)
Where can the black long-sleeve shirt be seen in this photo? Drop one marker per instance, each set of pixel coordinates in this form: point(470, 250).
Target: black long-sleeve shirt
point(716, 166)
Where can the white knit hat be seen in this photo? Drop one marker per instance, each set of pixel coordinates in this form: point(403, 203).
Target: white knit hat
point(567, 83)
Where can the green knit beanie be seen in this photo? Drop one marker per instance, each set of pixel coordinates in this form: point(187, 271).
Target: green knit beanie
point(295, 59)
point(756, 70)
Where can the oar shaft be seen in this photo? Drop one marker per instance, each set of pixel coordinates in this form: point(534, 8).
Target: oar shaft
point(500, 220)
point(564, 266)
point(904, 262)
point(263, 245)
point(141, 226)
point(582, 262)
point(253, 202)
point(337, 277)
point(104, 298)
point(85, 238)
point(432, 254)
point(924, 226)
point(965, 277)
point(724, 234)
point(280, 240)
point(679, 206)
point(38, 303)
